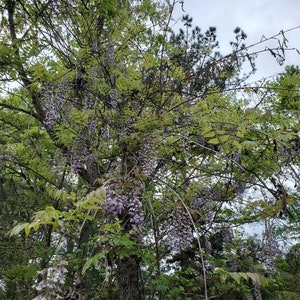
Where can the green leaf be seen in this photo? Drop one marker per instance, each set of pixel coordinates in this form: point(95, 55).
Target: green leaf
point(206, 129)
point(223, 138)
point(236, 276)
point(17, 229)
point(222, 273)
point(255, 277)
point(93, 261)
point(123, 240)
point(220, 131)
point(27, 229)
point(237, 145)
point(35, 226)
point(209, 134)
point(239, 134)
point(214, 141)
point(249, 145)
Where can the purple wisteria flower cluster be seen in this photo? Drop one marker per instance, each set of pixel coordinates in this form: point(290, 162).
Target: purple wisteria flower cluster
point(180, 233)
point(147, 156)
point(51, 283)
point(89, 100)
point(116, 203)
point(257, 292)
point(78, 156)
point(270, 249)
point(114, 98)
point(53, 102)
point(92, 127)
point(135, 210)
point(104, 132)
point(207, 245)
point(110, 54)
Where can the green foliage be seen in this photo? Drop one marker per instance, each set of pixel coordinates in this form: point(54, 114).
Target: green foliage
point(288, 92)
point(128, 150)
point(254, 277)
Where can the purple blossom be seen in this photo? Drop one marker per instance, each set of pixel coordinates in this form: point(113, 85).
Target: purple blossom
point(135, 211)
point(53, 102)
point(76, 165)
point(105, 133)
point(209, 265)
point(207, 246)
point(148, 157)
point(257, 292)
point(80, 155)
point(110, 54)
point(92, 127)
point(90, 160)
point(95, 46)
point(270, 248)
point(234, 265)
point(180, 233)
point(113, 98)
point(52, 280)
point(114, 203)
point(5, 157)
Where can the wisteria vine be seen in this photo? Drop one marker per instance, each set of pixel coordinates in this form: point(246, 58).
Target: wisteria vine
point(116, 203)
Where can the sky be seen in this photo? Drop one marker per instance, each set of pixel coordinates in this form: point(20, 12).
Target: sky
point(257, 18)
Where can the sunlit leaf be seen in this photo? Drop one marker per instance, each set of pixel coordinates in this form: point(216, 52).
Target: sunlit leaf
point(214, 141)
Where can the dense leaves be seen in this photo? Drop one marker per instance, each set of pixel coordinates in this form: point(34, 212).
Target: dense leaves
point(134, 158)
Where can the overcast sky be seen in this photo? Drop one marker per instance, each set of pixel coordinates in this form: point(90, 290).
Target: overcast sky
point(257, 18)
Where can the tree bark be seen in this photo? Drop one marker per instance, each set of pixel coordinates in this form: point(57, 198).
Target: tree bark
point(129, 287)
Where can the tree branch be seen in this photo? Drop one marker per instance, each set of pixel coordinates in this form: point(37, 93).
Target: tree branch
point(8, 106)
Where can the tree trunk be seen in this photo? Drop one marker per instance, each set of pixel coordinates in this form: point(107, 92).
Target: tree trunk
point(129, 287)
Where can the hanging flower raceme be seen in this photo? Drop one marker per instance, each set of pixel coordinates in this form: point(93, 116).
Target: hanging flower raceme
point(257, 291)
point(117, 203)
point(51, 283)
point(270, 248)
point(53, 102)
point(148, 158)
point(135, 210)
point(114, 203)
point(180, 233)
